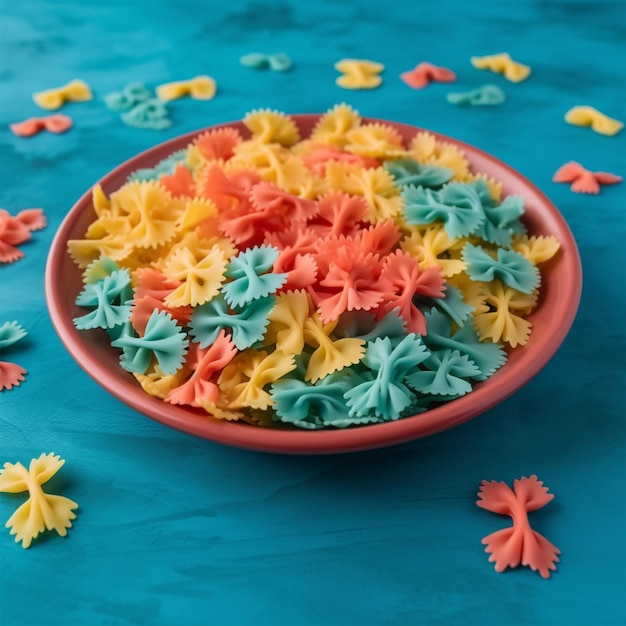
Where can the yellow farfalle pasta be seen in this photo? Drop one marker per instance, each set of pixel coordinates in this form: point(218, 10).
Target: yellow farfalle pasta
point(330, 356)
point(537, 249)
point(333, 126)
point(375, 140)
point(427, 149)
point(374, 184)
point(243, 380)
point(269, 126)
point(202, 278)
point(286, 327)
point(433, 247)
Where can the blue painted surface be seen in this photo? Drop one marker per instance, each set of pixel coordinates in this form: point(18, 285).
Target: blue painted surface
point(176, 530)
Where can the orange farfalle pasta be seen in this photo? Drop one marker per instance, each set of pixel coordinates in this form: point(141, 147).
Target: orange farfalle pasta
point(180, 183)
point(339, 214)
point(218, 144)
point(317, 159)
point(152, 288)
point(402, 279)
point(202, 387)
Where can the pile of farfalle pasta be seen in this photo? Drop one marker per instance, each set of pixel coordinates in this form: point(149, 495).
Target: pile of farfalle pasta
point(341, 279)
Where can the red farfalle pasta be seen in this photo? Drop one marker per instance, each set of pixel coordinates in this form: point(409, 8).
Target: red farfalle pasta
point(295, 210)
point(180, 183)
point(402, 279)
point(16, 229)
point(519, 543)
point(202, 387)
point(218, 144)
point(584, 180)
point(153, 288)
point(339, 214)
point(319, 156)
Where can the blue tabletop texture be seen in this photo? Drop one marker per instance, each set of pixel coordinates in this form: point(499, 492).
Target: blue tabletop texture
point(174, 529)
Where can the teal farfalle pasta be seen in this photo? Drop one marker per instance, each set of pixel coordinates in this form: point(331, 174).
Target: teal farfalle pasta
point(457, 205)
point(250, 276)
point(444, 373)
point(247, 326)
point(409, 172)
point(164, 167)
point(386, 395)
point(162, 340)
point(128, 97)
point(511, 267)
point(10, 333)
point(487, 356)
point(109, 297)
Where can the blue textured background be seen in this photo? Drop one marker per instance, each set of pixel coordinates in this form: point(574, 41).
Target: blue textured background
point(176, 530)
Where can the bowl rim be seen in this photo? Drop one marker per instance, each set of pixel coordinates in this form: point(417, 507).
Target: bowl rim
point(511, 377)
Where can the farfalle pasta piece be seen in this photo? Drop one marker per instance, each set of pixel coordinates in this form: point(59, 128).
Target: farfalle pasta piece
point(332, 127)
point(42, 510)
point(359, 74)
point(312, 406)
point(199, 88)
point(129, 96)
point(319, 156)
point(599, 122)
point(157, 384)
point(376, 185)
point(380, 238)
point(201, 279)
point(293, 209)
point(245, 378)
point(217, 144)
point(488, 357)
point(424, 73)
point(269, 126)
point(375, 140)
point(109, 298)
point(502, 322)
point(582, 179)
point(52, 123)
point(428, 150)
point(74, 91)
point(403, 280)
point(163, 167)
point(458, 206)
point(152, 288)
point(180, 183)
point(350, 283)
point(487, 95)
point(162, 340)
point(509, 266)
point(338, 214)
point(432, 247)
point(16, 229)
point(410, 172)
point(250, 276)
point(11, 374)
point(247, 326)
point(201, 387)
point(329, 355)
point(536, 248)
point(518, 544)
point(444, 373)
point(502, 64)
point(501, 216)
point(149, 114)
point(386, 395)
point(286, 321)
point(278, 62)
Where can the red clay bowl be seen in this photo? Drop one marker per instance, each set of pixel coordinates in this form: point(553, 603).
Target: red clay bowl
point(551, 320)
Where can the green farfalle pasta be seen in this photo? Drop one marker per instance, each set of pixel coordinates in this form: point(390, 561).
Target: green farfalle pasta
point(162, 340)
point(511, 267)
